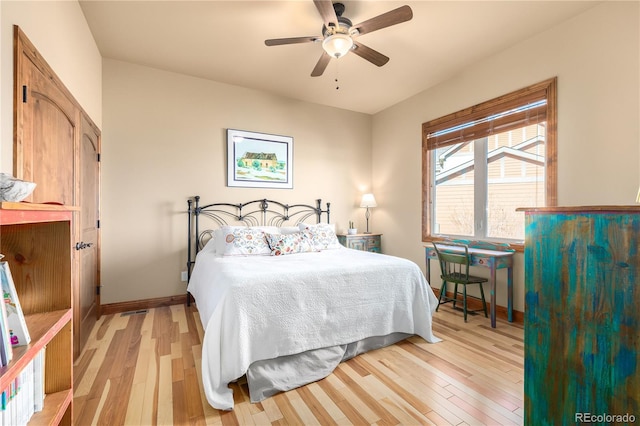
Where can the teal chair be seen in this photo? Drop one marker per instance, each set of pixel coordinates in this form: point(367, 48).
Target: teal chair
point(454, 261)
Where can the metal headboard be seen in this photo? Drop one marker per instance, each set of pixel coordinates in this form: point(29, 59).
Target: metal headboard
point(262, 212)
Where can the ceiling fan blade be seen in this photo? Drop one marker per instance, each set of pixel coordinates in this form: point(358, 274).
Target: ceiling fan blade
point(321, 65)
point(328, 13)
point(393, 17)
point(290, 40)
point(369, 54)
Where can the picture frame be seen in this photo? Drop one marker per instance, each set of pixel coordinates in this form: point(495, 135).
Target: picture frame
point(259, 160)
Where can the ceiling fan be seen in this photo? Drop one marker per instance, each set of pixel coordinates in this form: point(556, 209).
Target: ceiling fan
point(339, 35)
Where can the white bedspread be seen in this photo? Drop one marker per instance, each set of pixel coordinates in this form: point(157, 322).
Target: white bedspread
point(261, 307)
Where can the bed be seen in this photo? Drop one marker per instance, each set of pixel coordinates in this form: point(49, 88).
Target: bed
point(283, 303)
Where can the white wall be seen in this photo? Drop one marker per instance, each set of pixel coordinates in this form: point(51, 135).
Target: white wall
point(164, 140)
point(596, 59)
point(60, 33)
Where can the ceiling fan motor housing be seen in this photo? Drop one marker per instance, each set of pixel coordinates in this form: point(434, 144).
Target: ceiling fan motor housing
point(343, 27)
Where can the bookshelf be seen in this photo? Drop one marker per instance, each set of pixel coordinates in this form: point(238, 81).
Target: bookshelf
point(36, 242)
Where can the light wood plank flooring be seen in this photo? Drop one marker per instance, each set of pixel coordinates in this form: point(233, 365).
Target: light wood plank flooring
point(144, 369)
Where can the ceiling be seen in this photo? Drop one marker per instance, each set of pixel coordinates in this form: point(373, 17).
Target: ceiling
point(224, 41)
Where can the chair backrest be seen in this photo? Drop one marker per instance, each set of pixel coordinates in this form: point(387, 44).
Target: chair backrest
point(454, 260)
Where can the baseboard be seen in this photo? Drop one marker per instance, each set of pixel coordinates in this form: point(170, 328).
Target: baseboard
point(135, 305)
point(501, 311)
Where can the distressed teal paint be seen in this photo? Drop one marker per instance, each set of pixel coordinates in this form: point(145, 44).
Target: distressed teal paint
point(582, 315)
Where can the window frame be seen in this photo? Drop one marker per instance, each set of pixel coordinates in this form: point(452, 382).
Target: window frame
point(546, 89)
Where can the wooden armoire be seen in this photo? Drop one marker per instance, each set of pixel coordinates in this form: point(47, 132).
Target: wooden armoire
point(57, 146)
point(582, 315)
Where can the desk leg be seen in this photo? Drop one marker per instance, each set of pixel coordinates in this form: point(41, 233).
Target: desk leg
point(493, 296)
point(510, 293)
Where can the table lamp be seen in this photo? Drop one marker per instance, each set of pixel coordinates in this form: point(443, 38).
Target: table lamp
point(368, 200)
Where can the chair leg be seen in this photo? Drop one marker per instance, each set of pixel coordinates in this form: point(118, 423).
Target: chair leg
point(464, 301)
point(455, 296)
point(443, 292)
point(484, 304)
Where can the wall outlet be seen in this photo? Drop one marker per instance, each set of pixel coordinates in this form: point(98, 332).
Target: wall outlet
point(184, 277)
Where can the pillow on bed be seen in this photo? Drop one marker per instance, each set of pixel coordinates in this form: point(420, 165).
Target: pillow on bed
point(211, 244)
point(218, 238)
point(242, 240)
point(220, 234)
point(287, 230)
point(282, 244)
point(322, 235)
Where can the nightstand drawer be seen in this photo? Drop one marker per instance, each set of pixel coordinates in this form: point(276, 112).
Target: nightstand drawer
point(364, 242)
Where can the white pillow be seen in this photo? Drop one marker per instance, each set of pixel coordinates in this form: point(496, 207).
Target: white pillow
point(242, 240)
point(287, 230)
point(210, 245)
point(218, 237)
point(322, 235)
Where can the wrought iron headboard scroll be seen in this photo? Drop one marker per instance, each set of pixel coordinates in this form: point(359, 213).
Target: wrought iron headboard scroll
point(262, 212)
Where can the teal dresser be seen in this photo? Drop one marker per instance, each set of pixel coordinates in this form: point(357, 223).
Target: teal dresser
point(364, 242)
point(582, 315)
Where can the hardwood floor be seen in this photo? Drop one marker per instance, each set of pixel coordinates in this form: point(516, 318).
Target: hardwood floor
point(144, 369)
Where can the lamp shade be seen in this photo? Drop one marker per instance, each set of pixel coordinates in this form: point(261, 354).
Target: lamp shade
point(337, 45)
point(368, 200)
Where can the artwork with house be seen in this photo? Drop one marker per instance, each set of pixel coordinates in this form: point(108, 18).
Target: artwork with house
point(259, 160)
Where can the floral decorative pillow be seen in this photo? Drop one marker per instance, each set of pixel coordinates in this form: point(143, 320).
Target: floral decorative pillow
point(220, 234)
point(283, 244)
point(244, 241)
point(322, 236)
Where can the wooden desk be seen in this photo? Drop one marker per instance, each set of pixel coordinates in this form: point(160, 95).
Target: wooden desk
point(492, 259)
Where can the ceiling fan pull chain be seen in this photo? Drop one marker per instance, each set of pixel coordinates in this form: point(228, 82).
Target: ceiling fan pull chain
point(337, 75)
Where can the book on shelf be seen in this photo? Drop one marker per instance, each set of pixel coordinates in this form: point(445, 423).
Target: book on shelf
point(6, 350)
point(18, 332)
point(25, 394)
point(38, 380)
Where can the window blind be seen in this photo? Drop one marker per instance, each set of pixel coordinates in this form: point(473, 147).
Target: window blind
point(496, 116)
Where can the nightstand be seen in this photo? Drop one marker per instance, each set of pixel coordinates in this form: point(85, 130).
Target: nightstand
point(364, 242)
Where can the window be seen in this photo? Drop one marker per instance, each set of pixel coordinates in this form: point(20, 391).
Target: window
point(481, 163)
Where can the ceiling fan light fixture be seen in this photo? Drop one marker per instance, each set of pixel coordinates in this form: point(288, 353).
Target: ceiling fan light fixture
point(337, 45)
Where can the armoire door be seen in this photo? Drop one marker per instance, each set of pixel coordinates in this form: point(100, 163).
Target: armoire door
point(46, 128)
point(56, 146)
point(88, 235)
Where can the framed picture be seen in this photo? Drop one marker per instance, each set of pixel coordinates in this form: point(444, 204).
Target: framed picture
point(259, 160)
